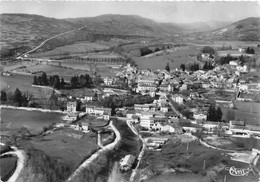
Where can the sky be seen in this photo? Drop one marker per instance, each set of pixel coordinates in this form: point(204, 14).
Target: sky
point(160, 11)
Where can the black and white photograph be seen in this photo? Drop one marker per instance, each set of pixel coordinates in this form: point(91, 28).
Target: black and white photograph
point(129, 91)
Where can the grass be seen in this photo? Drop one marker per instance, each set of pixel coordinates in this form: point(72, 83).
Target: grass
point(249, 118)
point(76, 48)
point(33, 120)
point(174, 59)
point(8, 164)
point(68, 145)
point(24, 84)
point(176, 157)
point(55, 70)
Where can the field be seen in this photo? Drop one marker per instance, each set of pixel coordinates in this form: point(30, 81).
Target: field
point(235, 53)
point(201, 43)
point(24, 84)
point(33, 120)
point(189, 165)
point(77, 48)
point(66, 73)
point(234, 143)
point(175, 59)
point(68, 145)
point(7, 165)
point(253, 107)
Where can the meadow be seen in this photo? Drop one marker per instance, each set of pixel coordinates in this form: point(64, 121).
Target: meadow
point(178, 158)
point(175, 59)
point(66, 73)
point(68, 145)
point(202, 43)
point(76, 48)
point(7, 166)
point(35, 121)
point(24, 84)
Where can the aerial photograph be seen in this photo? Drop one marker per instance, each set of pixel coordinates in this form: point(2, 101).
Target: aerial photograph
point(129, 91)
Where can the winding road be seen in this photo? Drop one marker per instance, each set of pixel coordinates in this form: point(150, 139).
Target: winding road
point(34, 49)
point(134, 172)
point(87, 162)
point(20, 162)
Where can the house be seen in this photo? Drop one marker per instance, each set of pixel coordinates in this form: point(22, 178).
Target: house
point(72, 116)
point(164, 108)
point(145, 107)
point(183, 87)
point(200, 116)
point(178, 98)
point(106, 115)
point(71, 106)
point(149, 122)
point(233, 63)
point(98, 111)
point(127, 162)
point(108, 81)
point(85, 126)
point(146, 87)
point(168, 128)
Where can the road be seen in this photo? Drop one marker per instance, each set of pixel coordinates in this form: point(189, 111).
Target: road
point(87, 162)
point(20, 162)
point(34, 49)
point(141, 154)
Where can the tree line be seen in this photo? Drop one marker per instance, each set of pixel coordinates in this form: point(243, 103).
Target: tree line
point(18, 98)
point(58, 83)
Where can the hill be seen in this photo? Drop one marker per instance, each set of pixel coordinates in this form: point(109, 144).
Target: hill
point(126, 24)
point(203, 26)
point(20, 32)
point(245, 30)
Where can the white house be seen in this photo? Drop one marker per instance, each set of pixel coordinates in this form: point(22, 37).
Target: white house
point(108, 81)
point(164, 108)
point(178, 98)
point(200, 116)
point(71, 106)
point(98, 111)
point(168, 128)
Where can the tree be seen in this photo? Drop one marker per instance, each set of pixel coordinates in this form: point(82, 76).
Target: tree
point(182, 67)
point(62, 83)
point(145, 51)
point(56, 82)
point(113, 109)
point(167, 67)
point(218, 114)
point(208, 50)
point(211, 113)
point(156, 49)
point(35, 80)
point(17, 97)
point(44, 79)
point(3, 96)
